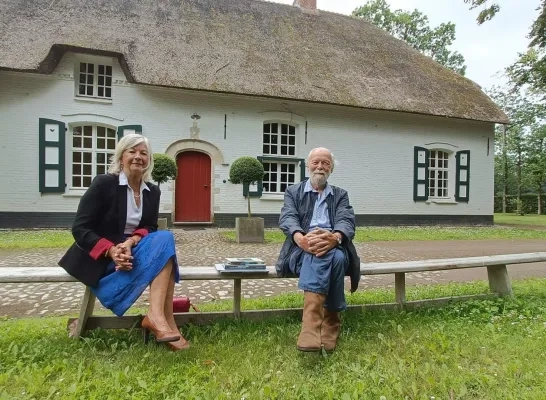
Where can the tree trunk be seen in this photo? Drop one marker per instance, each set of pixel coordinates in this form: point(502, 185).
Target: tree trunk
point(505, 172)
point(519, 202)
point(539, 197)
point(248, 199)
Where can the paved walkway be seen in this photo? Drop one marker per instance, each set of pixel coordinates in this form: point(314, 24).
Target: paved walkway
point(206, 247)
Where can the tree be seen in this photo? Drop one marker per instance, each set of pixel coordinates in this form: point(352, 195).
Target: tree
point(414, 28)
point(530, 69)
point(164, 168)
point(246, 171)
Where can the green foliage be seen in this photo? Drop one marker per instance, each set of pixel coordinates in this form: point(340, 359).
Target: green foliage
point(414, 28)
point(377, 233)
point(165, 168)
point(247, 171)
point(529, 203)
point(479, 349)
point(527, 220)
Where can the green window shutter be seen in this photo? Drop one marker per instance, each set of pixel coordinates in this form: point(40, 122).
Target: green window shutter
point(123, 129)
point(420, 174)
point(462, 181)
point(51, 158)
point(255, 193)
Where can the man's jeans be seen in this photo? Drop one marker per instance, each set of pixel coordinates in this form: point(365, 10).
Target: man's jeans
point(325, 275)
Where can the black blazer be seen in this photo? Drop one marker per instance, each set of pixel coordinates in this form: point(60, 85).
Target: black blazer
point(100, 223)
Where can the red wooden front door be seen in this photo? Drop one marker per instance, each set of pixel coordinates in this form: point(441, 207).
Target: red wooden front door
point(193, 187)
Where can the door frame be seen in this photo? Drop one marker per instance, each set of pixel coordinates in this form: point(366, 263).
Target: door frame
point(216, 159)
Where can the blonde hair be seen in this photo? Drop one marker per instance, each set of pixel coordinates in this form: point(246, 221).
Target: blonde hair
point(128, 142)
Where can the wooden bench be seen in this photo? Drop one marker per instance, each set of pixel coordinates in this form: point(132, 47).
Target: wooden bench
point(499, 284)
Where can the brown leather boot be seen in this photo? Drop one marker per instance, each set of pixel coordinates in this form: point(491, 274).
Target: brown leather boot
point(313, 314)
point(330, 330)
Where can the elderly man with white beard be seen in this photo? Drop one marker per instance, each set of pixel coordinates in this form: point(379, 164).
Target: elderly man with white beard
point(319, 224)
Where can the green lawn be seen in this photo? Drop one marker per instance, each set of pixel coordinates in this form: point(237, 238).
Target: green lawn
point(63, 238)
point(373, 234)
point(488, 349)
point(513, 219)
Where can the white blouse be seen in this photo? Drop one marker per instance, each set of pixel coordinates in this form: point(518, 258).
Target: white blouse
point(134, 213)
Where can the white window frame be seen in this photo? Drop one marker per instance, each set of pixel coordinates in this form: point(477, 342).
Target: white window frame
point(94, 150)
point(448, 173)
point(278, 154)
point(96, 61)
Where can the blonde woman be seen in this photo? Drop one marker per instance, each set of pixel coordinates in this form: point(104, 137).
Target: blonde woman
point(118, 251)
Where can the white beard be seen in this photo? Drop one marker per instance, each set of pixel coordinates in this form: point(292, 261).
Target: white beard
point(319, 180)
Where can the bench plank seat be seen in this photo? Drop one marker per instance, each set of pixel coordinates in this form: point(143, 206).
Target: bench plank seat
point(499, 282)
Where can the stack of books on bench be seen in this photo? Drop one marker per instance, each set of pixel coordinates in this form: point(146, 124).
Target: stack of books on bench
point(248, 264)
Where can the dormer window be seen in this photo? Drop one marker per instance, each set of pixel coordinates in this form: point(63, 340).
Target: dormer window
point(94, 80)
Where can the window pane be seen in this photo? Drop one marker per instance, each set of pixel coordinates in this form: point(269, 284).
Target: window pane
point(88, 143)
point(87, 169)
point(111, 133)
point(101, 131)
point(267, 128)
point(90, 90)
point(101, 169)
point(101, 69)
point(284, 177)
point(101, 80)
point(101, 143)
point(100, 91)
point(292, 140)
point(87, 158)
point(77, 142)
point(76, 156)
point(274, 168)
point(284, 167)
point(108, 92)
point(108, 70)
point(274, 139)
point(266, 149)
point(76, 169)
point(266, 187)
point(266, 138)
point(284, 139)
point(273, 176)
point(82, 67)
point(273, 149)
point(283, 187)
point(292, 167)
point(86, 181)
point(89, 79)
point(108, 81)
point(291, 151)
point(90, 68)
point(101, 158)
point(82, 78)
point(284, 129)
point(111, 144)
point(87, 130)
point(273, 187)
point(274, 128)
point(76, 181)
point(283, 151)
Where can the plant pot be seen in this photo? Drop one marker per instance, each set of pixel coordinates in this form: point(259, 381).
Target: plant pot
point(249, 230)
point(162, 224)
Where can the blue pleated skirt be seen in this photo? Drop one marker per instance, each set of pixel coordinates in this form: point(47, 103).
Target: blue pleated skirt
point(118, 290)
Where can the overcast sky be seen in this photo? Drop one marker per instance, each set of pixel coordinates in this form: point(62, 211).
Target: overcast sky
point(487, 49)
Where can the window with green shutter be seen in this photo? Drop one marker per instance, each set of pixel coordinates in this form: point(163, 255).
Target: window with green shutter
point(462, 181)
point(125, 129)
point(51, 157)
point(420, 173)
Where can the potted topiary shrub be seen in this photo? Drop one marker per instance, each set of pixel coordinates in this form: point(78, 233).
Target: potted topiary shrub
point(247, 171)
point(164, 170)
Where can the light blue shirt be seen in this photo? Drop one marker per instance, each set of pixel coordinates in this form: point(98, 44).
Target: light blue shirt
point(320, 218)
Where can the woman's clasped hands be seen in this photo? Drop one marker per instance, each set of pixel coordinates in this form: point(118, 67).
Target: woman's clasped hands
point(121, 254)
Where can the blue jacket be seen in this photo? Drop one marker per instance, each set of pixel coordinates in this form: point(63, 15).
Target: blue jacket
point(296, 216)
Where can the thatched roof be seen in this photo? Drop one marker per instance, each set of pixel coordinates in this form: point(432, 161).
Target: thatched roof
point(246, 47)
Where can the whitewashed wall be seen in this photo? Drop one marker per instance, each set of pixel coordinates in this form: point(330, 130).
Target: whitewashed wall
point(374, 149)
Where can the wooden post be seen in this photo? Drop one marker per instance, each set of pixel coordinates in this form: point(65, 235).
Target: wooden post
point(400, 287)
point(86, 310)
point(499, 280)
point(237, 297)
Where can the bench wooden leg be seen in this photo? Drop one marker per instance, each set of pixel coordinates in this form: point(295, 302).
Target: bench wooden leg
point(237, 297)
point(400, 287)
point(86, 310)
point(499, 280)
